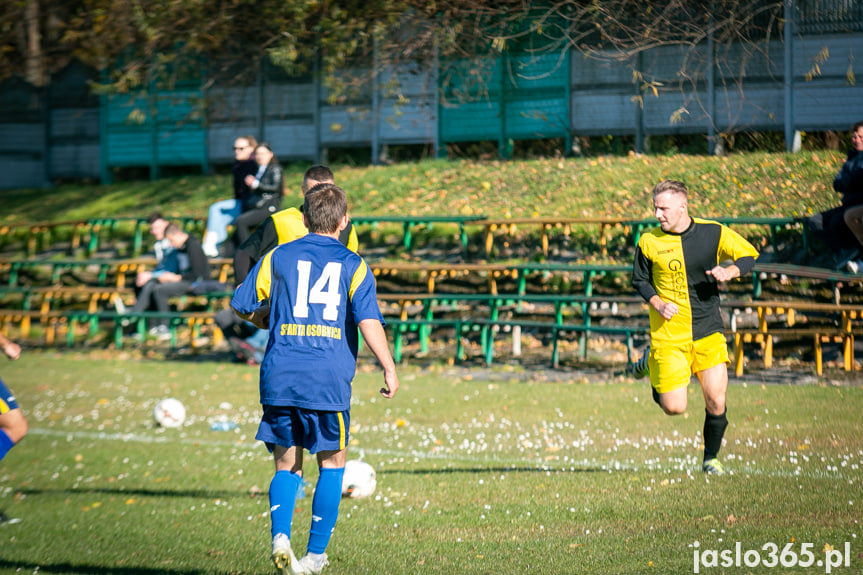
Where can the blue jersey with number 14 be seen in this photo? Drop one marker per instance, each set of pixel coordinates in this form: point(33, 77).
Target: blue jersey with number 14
point(318, 292)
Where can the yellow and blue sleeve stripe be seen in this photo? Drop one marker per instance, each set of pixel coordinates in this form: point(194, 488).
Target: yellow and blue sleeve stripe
point(358, 278)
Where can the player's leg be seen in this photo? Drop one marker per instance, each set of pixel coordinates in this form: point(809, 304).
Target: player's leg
point(641, 367)
point(13, 424)
point(333, 454)
point(711, 357)
point(283, 498)
point(670, 373)
point(278, 429)
point(13, 427)
point(284, 486)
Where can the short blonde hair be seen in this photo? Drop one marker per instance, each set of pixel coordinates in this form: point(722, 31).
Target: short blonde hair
point(672, 186)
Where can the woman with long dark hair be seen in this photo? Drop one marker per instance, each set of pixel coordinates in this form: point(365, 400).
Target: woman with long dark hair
point(267, 188)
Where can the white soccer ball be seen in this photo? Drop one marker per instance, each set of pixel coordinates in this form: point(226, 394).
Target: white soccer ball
point(360, 479)
point(170, 412)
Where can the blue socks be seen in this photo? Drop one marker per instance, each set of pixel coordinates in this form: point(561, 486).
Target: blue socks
point(283, 497)
point(325, 508)
point(5, 444)
point(325, 505)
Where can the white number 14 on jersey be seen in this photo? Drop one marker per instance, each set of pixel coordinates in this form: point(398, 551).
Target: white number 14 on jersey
point(325, 291)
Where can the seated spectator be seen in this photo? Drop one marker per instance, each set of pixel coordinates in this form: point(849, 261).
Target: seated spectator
point(854, 221)
point(224, 213)
point(166, 258)
point(267, 188)
point(192, 267)
point(849, 183)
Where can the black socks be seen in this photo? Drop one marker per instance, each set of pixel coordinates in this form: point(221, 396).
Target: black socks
point(714, 430)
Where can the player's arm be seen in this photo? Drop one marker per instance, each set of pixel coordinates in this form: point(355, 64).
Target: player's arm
point(733, 246)
point(642, 281)
point(251, 298)
point(376, 339)
point(260, 318)
point(11, 349)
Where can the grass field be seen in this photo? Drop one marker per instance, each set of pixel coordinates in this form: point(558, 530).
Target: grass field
point(479, 471)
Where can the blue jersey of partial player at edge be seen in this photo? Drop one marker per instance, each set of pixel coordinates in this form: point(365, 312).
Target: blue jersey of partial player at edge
point(318, 291)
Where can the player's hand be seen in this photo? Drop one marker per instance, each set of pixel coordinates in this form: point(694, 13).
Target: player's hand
point(723, 274)
point(391, 379)
point(669, 310)
point(261, 317)
point(13, 350)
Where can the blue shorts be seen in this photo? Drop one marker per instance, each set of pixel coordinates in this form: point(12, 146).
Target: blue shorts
point(7, 400)
point(306, 428)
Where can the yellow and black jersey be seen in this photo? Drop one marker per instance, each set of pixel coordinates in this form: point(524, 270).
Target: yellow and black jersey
point(285, 226)
point(674, 267)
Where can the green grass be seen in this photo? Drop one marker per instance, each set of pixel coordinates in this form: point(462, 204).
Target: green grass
point(758, 184)
point(478, 472)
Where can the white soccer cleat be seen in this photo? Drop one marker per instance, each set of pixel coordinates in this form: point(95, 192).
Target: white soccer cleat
point(283, 556)
point(313, 564)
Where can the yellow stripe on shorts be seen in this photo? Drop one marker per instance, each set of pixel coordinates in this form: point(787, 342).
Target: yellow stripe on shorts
point(4, 407)
point(341, 431)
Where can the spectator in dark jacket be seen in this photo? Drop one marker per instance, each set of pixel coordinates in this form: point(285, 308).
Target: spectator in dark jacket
point(225, 212)
point(849, 184)
point(193, 266)
point(267, 188)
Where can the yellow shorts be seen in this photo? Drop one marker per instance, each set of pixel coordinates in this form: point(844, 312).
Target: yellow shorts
point(672, 365)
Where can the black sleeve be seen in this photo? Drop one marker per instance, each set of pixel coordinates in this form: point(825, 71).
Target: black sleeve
point(262, 240)
point(641, 276)
point(271, 181)
point(745, 265)
point(242, 264)
point(345, 234)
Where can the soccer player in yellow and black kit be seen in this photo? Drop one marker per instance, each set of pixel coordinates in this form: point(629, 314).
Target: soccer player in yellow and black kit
point(677, 271)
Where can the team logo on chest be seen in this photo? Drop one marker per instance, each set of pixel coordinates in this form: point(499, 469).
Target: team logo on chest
point(675, 269)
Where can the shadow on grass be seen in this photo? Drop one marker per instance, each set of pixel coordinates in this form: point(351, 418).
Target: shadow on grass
point(189, 493)
point(100, 570)
point(476, 470)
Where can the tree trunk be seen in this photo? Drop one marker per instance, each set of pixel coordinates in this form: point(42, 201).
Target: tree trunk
point(35, 60)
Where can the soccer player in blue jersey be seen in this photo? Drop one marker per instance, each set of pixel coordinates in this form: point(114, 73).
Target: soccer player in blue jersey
point(312, 294)
point(13, 425)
